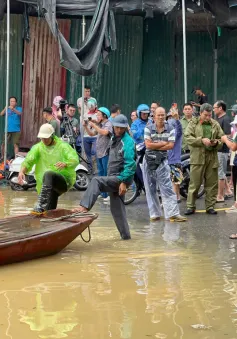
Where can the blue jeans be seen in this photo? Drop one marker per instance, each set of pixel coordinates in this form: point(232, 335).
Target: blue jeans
point(90, 150)
point(102, 164)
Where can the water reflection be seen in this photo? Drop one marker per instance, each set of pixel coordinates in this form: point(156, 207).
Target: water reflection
point(166, 279)
point(50, 324)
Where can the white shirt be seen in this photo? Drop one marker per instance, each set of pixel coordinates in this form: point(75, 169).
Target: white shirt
point(86, 109)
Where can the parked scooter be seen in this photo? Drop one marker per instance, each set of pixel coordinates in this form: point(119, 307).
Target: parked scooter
point(14, 169)
point(82, 176)
point(137, 186)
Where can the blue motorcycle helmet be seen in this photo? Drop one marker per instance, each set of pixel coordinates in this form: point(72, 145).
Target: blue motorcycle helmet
point(144, 109)
point(105, 111)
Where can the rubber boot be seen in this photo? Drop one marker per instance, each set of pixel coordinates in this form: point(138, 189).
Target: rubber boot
point(44, 200)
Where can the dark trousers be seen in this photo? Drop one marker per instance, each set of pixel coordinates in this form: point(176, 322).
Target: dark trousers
point(90, 150)
point(54, 185)
point(234, 178)
point(111, 185)
point(102, 165)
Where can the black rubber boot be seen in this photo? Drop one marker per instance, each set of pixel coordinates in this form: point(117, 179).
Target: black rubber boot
point(44, 200)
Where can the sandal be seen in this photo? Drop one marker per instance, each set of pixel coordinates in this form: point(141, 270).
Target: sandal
point(228, 196)
point(233, 236)
point(232, 209)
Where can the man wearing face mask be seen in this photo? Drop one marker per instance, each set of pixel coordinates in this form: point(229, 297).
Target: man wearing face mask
point(55, 162)
point(138, 126)
point(203, 137)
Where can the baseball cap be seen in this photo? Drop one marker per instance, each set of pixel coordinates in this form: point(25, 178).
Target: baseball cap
point(120, 121)
point(233, 108)
point(45, 131)
point(235, 121)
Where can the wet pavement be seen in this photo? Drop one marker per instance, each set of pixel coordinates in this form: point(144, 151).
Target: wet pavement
point(170, 281)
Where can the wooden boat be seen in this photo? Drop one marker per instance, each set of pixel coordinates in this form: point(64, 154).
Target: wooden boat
point(27, 237)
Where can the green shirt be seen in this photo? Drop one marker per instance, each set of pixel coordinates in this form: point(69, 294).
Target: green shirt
point(56, 127)
point(184, 122)
point(207, 133)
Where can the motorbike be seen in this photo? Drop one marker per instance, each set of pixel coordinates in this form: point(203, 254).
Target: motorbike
point(137, 187)
point(81, 183)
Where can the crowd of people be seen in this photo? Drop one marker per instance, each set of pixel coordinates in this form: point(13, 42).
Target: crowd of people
point(158, 138)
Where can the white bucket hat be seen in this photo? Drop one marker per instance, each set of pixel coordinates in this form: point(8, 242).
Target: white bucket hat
point(235, 121)
point(45, 131)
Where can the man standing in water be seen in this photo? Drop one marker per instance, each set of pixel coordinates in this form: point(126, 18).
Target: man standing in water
point(203, 136)
point(121, 169)
point(55, 162)
point(159, 138)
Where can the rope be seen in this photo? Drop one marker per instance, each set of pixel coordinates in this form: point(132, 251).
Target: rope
point(89, 231)
point(69, 216)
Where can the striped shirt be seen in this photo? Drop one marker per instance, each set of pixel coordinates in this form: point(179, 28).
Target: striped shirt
point(168, 134)
point(151, 133)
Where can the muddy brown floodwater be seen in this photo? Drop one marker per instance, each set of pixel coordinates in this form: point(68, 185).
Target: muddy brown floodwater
point(169, 281)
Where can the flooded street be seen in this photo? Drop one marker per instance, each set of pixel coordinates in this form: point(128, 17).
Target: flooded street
point(164, 283)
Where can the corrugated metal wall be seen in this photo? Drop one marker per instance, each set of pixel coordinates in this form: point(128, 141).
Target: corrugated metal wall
point(147, 65)
point(227, 57)
point(74, 80)
point(15, 62)
point(43, 77)
point(158, 68)
point(199, 65)
point(119, 81)
point(121, 78)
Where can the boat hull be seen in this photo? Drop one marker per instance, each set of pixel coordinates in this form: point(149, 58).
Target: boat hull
point(46, 240)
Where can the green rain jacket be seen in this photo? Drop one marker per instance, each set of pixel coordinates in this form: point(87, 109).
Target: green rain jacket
point(194, 135)
point(45, 157)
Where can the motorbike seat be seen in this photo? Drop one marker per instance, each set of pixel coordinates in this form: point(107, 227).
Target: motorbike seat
point(185, 156)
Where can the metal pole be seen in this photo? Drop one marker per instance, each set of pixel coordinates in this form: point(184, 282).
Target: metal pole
point(215, 69)
point(215, 74)
point(7, 80)
point(83, 24)
point(184, 52)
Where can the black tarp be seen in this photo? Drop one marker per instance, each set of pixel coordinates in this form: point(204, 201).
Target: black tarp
point(101, 37)
point(99, 40)
point(88, 7)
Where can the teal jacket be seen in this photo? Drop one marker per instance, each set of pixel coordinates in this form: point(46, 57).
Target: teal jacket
point(122, 162)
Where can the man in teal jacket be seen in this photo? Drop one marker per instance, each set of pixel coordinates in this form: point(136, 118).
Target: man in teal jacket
point(121, 169)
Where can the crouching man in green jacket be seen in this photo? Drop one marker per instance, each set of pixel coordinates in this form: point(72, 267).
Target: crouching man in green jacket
point(121, 169)
point(203, 136)
point(55, 162)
